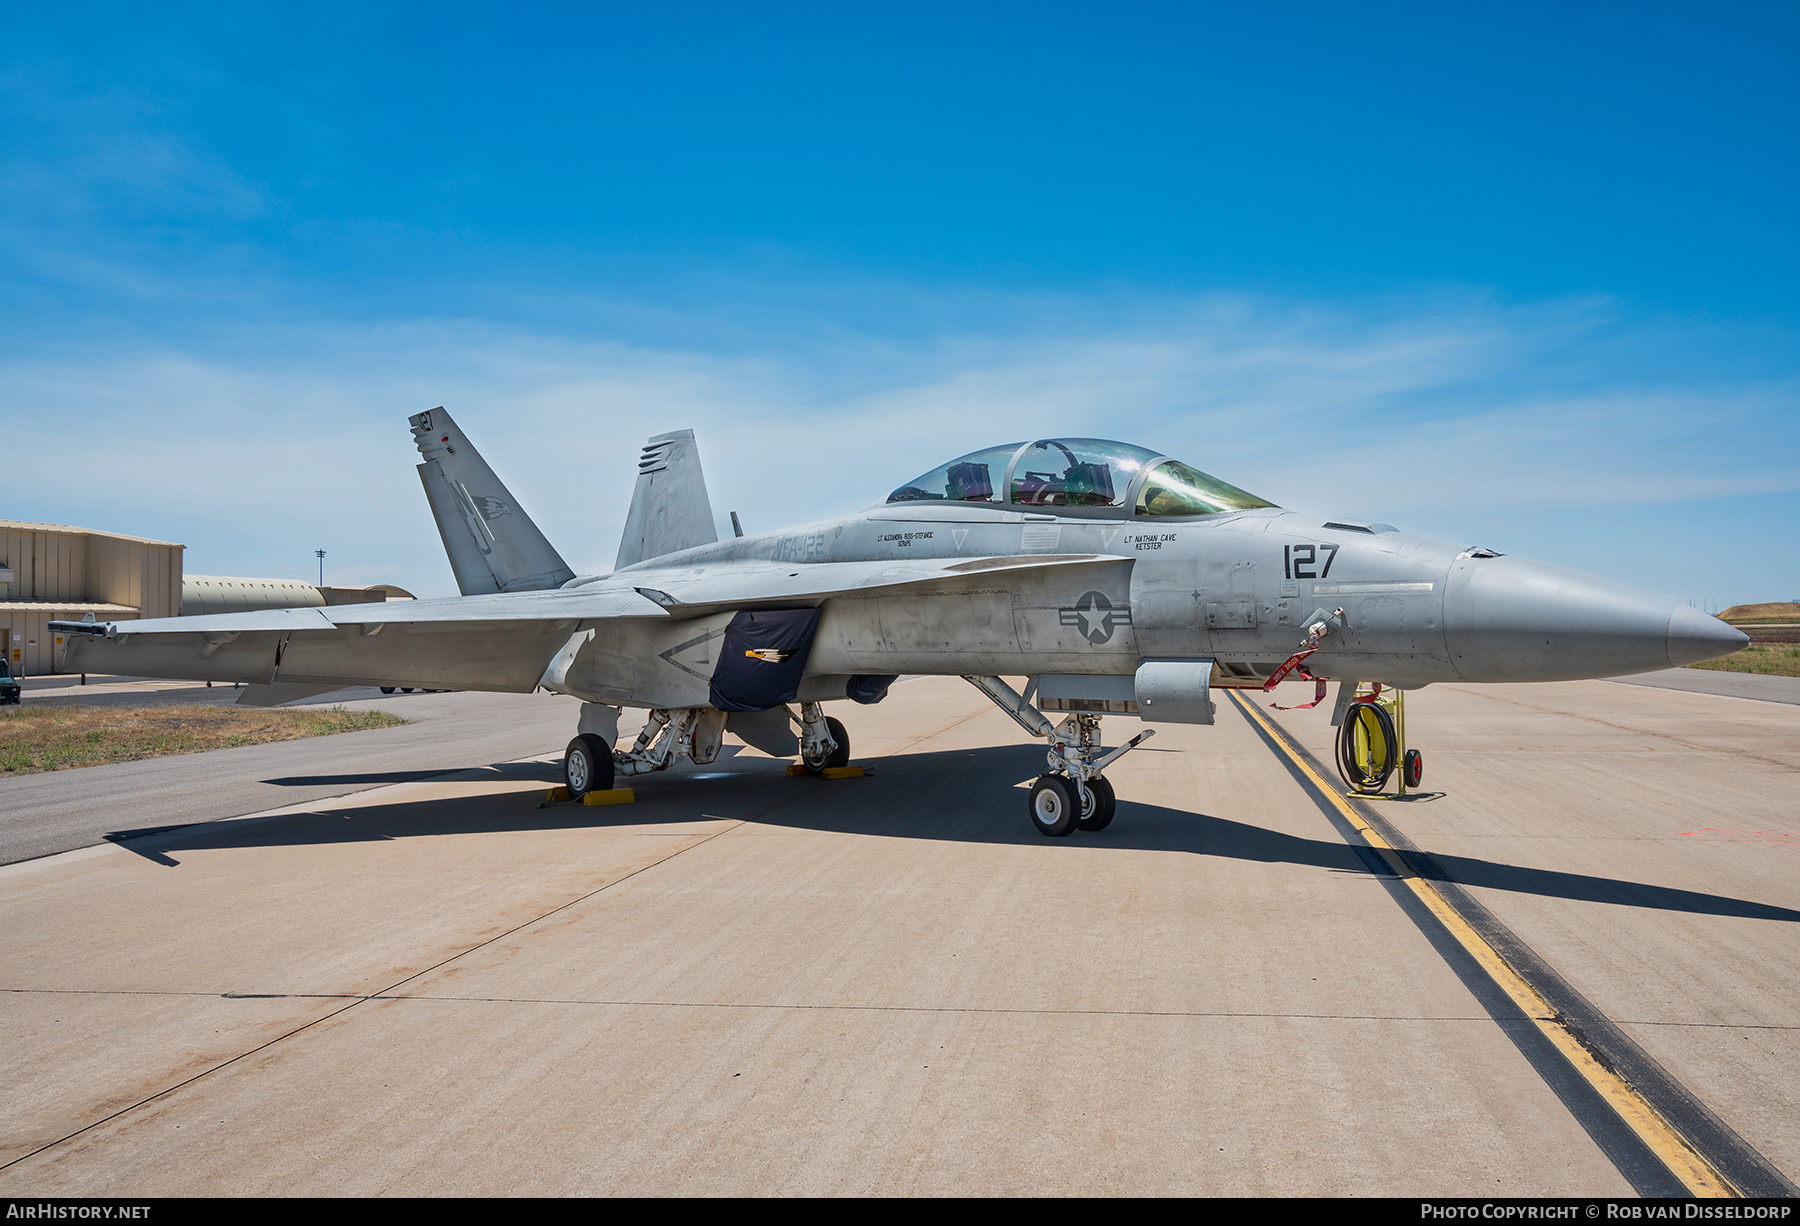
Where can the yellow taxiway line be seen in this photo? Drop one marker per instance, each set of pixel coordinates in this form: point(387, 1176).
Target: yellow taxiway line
point(1670, 1147)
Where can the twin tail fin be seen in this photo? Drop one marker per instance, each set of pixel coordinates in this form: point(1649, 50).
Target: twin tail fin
point(670, 510)
point(494, 546)
point(492, 543)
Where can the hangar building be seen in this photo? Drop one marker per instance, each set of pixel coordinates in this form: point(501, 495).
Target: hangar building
point(50, 572)
point(229, 594)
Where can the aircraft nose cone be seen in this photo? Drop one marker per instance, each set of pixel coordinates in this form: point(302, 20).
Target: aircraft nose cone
point(1513, 619)
point(1693, 637)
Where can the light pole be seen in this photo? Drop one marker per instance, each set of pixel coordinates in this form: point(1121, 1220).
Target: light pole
point(321, 554)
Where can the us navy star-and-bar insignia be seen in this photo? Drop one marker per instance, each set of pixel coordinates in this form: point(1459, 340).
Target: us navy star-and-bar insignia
point(1095, 616)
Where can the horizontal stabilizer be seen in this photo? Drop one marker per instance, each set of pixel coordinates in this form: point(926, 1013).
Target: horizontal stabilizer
point(669, 507)
point(492, 543)
point(275, 694)
point(771, 731)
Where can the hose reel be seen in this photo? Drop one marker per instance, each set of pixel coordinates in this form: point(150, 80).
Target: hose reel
point(1372, 739)
point(1371, 742)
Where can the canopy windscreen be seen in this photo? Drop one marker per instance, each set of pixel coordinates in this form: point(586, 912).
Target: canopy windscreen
point(1091, 473)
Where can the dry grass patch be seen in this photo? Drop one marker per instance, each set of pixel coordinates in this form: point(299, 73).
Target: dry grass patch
point(54, 738)
point(1772, 659)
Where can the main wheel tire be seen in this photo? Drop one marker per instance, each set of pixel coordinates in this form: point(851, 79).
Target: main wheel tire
point(837, 757)
point(387, 689)
point(1097, 813)
point(587, 766)
point(406, 689)
point(1054, 809)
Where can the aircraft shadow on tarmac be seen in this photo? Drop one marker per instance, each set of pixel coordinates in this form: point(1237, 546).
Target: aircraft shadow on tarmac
point(548, 772)
point(953, 795)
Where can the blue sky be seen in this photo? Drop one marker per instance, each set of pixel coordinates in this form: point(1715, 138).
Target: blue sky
point(1520, 275)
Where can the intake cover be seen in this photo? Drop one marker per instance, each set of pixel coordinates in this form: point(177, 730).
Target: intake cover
point(762, 657)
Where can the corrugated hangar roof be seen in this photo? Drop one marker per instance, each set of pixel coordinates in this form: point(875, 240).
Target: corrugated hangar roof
point(63, 606)
point(22, 525)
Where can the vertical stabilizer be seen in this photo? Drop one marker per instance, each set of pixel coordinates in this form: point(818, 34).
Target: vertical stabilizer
point(669, 508)
point(492, 543)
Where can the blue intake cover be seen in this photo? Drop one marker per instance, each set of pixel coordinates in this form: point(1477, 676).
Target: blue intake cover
point(762, 657)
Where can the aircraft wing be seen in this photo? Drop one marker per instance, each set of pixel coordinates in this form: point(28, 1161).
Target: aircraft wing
point(701, 590)
point(504, 641)
point(489, 642)
point(553, 606)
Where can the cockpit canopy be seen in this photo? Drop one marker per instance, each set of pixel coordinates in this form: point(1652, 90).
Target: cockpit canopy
point(1092, 473)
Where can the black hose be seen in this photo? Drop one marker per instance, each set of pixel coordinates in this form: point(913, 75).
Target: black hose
point(1369, 728)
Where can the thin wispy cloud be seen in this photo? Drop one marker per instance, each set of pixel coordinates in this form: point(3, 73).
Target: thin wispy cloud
point(1439, 417)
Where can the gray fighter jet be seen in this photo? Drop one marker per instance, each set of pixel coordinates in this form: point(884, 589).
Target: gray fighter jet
point(1116, 579)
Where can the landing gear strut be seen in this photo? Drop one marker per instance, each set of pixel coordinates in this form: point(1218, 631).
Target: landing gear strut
point(1072, 794)
point(823, 741)
point(690, 734)
point(670, 735)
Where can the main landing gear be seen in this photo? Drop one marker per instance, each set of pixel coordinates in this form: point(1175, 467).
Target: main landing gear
point(1072, 795)
point(693, 734)
point(670, 735)
point(587, 766)
point(823, 741)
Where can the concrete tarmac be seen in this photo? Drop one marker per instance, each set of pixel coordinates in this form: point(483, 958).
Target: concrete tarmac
point(746, 983)
point(57, 811)
point(1642, 841)
point(1762, 687)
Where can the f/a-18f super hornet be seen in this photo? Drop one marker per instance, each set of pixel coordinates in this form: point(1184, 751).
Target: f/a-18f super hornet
point(1118, 580)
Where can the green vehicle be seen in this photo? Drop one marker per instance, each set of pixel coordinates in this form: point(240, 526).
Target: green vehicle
point(9, 685)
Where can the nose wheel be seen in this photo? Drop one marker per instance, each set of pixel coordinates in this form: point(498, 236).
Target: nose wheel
point(1098, 803)
point(1054, 810)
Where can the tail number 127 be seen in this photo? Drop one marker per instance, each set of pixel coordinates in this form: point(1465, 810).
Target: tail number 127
point(1297, 561)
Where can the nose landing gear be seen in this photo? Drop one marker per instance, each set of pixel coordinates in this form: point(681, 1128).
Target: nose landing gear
point(1073, 794)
